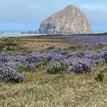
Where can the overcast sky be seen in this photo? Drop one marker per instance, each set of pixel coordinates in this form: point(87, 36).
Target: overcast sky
point(27, 14)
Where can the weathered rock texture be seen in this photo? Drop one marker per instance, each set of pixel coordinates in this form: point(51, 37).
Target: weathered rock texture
point(69, 20)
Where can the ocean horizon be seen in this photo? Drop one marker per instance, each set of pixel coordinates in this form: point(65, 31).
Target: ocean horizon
point(13, 31)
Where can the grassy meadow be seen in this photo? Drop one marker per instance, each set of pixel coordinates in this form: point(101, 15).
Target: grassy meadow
point(41, 89)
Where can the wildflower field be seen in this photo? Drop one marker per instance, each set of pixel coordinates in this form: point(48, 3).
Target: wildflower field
point(52, 72)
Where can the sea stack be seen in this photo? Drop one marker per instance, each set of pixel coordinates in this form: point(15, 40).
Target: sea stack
point(68, 21)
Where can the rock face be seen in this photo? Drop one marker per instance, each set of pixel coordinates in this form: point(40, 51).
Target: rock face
point(69, 20)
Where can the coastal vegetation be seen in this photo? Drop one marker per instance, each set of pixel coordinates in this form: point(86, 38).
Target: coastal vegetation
point(52, 72)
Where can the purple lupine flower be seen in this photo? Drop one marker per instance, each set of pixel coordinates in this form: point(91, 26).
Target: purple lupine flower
point(7, 73)
point(81, 66)
point(33, 57)
point(53, 56)
point(91, 55)
point(76, 54)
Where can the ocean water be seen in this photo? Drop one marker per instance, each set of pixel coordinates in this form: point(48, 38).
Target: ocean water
point(9, 33)
point(14, 33)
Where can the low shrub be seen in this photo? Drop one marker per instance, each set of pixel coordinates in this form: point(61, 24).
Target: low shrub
point(30, 67)
point(55, 67)
point(9, 74)
point(41, 64)
point(79, 68)
point(21, 68)
point(11, 43)
point(99, 77)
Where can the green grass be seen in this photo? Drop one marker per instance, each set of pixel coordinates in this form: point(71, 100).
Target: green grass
point(41, 89)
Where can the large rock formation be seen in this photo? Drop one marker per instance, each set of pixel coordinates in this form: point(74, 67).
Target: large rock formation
point(69, 20)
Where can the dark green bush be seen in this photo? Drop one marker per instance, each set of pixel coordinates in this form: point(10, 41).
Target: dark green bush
point(99, 77)
point(21, 68)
